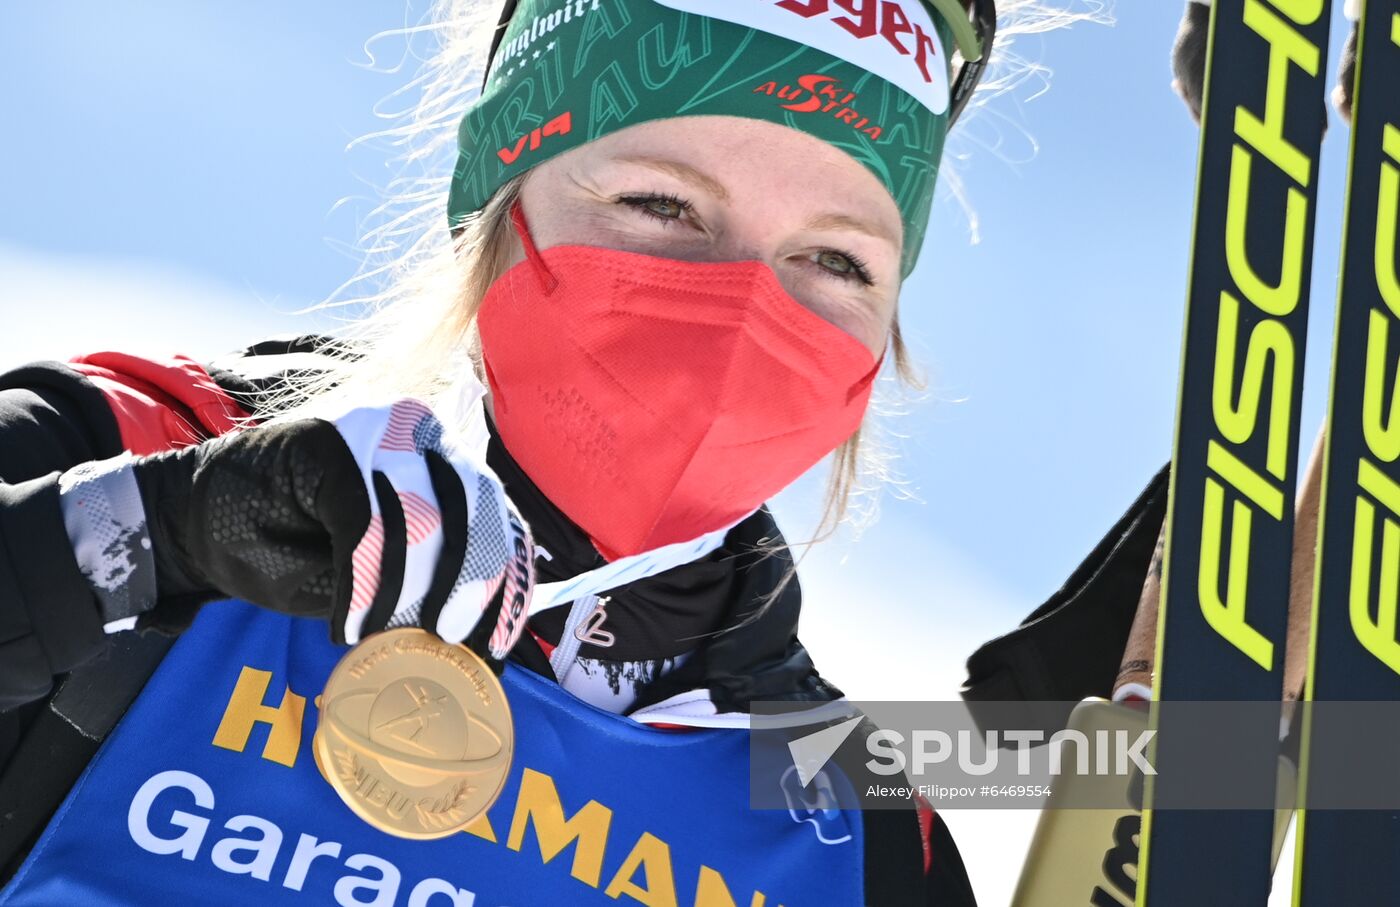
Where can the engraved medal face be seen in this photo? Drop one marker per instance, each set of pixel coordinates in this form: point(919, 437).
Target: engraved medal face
point(414, 734)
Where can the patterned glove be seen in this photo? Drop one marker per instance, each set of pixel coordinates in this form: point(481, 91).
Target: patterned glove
point(442, 537)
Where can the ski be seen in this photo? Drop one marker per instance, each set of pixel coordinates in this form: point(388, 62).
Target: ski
point(1224, 607)
point(1349, 856)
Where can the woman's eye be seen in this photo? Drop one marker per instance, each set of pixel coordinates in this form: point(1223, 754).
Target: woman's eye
point(842, 266)
point(665, 207)
point(661, 207)
point(835, 261)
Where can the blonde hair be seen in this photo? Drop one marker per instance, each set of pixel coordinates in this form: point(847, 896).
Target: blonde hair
point(414, 301)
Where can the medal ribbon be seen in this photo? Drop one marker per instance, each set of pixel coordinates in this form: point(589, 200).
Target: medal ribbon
point(627, 570)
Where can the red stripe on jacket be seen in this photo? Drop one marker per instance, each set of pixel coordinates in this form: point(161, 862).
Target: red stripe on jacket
point(159, 404)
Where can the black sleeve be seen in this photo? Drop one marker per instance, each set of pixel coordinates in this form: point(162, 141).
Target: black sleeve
point(908, 863)
point(1071, 646)
point(51, 418)
point(948, 882)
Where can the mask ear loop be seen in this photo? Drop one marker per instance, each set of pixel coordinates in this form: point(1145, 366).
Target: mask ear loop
point(548, 282)
point(866, 380)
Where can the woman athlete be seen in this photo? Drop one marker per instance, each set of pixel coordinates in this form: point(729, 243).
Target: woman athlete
point(665, 274)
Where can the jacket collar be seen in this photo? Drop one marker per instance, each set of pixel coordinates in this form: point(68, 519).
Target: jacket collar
point(736, 597)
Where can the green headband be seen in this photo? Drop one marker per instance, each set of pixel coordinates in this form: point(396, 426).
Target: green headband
point(566, 72)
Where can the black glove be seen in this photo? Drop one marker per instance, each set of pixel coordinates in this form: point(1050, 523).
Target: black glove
point(270, 515)
point(376, 520)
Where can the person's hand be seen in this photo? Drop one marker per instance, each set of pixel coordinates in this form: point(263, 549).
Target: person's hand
point(375, 520)
point(1189, 56)
point(1346, 75)
point(1189, 62)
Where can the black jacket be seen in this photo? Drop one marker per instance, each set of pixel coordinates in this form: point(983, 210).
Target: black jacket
point(64, 684)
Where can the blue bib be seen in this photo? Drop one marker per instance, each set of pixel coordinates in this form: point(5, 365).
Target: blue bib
point(207, 792)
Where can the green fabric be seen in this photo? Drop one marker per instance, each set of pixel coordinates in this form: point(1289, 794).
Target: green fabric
point(570, 71)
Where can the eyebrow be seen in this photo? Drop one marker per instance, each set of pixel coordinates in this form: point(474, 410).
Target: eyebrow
point(688, 174)
point(835, 221)
point(683, 172)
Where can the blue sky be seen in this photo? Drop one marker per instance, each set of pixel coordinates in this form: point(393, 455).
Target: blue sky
point(170, 180)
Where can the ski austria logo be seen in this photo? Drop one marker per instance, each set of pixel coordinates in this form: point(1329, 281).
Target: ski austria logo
point(894, 39)
point(822, 94)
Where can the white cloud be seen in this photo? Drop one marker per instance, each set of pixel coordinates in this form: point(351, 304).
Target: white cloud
point(56, 306)
point(894, 613)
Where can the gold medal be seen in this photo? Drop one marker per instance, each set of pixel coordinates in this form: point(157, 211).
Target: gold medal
point(414, 734)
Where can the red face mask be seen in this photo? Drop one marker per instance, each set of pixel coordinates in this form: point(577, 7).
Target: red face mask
point(655, 400)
